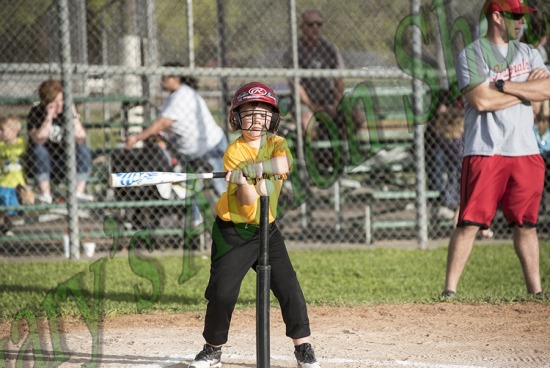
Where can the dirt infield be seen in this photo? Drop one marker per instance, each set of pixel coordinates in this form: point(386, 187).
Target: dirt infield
point(444, 335)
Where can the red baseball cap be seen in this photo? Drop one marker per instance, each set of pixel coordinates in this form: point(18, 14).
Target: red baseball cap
point(507, 6)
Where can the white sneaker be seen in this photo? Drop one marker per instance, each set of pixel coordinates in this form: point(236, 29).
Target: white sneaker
point(44, 198)
point(83, 197)
point(195, 223)
point(445, 213)
point(487, 233)
point(208, 357)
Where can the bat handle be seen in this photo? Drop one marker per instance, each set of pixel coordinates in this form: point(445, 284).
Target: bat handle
point(218, 175)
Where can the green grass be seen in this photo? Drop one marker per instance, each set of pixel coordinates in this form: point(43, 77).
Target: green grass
point(328, 277)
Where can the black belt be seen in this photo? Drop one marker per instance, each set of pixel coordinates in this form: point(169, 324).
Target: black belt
point(242, 225)
point(248, 227)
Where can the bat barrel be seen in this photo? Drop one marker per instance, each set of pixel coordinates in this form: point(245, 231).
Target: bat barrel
point(138, 179)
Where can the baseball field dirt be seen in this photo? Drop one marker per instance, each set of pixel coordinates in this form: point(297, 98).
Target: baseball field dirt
point(440, 335)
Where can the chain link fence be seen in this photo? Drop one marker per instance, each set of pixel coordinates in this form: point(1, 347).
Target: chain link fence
point(368, 170)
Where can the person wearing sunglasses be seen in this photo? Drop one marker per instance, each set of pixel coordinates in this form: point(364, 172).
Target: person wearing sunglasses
point(500, 79)
point(316, 52)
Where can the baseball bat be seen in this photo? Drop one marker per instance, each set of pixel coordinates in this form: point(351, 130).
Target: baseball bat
point(144, 178)
point(263, 286)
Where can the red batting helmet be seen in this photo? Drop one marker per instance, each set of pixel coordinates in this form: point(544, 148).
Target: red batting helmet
point(254, 92)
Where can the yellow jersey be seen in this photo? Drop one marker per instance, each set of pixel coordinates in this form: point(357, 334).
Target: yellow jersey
point(238, 154)
point(11, 163)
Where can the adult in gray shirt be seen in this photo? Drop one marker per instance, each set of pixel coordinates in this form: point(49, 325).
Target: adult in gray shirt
point(499, 78)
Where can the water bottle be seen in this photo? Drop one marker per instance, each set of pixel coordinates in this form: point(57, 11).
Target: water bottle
point(66, 244)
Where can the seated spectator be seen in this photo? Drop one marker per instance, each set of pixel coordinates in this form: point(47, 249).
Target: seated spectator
point(321, 98)
point(542, 130)
point(12, 149)
point(47, 156)
point(187, 124)
point(315, 52)
point(451, 129)
point(440, 131)
point(318, 94)
point(542, 133)
point(450, 126)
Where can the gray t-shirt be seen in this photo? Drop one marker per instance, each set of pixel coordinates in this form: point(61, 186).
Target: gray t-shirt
point(506, 132)
point(194, 131)
point(326, 55)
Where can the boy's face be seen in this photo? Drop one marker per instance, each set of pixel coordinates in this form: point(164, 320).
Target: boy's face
point(7, 134)
point(255, 120)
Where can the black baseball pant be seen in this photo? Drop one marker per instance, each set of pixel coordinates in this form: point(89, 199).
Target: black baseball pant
point(234, 251)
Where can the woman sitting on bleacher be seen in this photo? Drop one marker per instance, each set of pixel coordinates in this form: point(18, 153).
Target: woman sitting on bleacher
point(46, 129)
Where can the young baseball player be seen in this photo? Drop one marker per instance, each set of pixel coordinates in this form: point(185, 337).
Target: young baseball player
point(257, 153)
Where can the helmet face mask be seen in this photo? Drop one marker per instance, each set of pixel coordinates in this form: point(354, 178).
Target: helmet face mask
point(255, 117)
point(254, 92)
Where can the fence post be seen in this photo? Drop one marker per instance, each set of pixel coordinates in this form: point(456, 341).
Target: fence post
point(419, 129)
point(66, 77)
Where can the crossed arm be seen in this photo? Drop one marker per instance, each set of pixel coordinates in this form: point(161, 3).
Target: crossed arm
point(485, 96)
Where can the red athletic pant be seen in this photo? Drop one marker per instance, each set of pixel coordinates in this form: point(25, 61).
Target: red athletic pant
point(513, 183)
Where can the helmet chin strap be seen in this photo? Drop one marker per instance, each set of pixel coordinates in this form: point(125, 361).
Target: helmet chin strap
point(263, 129)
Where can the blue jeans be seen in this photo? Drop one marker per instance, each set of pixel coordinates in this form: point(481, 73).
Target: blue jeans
point(445, 164)
point(8, 197)
point(214, 157)
point(42, 162)
point(437, 168)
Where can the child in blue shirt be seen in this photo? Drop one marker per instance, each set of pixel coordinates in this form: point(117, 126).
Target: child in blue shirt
point(542, 132)
point(12, 149)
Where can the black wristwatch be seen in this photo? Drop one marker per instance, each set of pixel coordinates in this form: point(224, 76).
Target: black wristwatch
point(500, 85)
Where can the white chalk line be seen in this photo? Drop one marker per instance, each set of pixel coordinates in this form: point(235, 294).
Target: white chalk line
point(360, 362)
